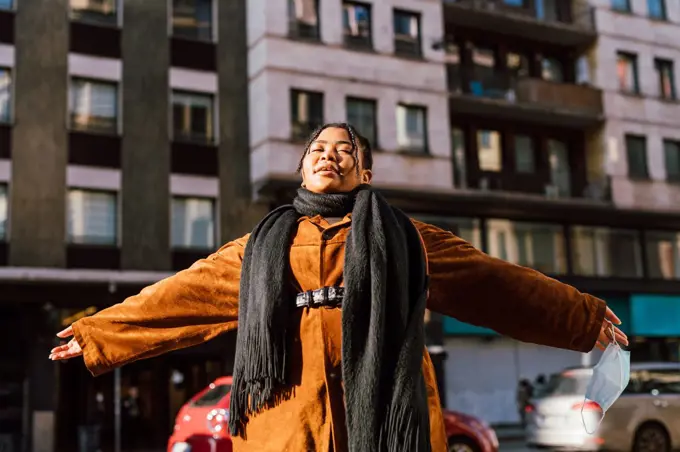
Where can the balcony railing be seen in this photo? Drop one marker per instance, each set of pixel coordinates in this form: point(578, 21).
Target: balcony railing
point(525, 91)
point(580, 14)
point(572, 21)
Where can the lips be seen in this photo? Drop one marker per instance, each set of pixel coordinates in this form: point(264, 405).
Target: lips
point(327, 169)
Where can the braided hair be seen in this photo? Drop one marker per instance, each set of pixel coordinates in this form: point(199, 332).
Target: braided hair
point(359, 143)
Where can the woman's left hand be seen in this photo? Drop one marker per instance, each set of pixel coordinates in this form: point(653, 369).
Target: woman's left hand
point(608, 327)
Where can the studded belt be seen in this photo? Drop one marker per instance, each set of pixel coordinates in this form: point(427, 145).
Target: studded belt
point(326, 296)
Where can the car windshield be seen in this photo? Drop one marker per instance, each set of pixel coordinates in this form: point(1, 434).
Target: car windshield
point(566, 384)
point(212, 396)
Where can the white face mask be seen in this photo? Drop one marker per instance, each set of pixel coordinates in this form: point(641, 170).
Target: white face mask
point(610, 377)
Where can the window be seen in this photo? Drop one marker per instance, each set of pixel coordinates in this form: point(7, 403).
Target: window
point(306, 113)
point(548, 10)
point(663, 381)
point(468, 229)
point(193, 19)
point(192, 117)
point(92, 217)
point(663, 254)
point(6, 4)
point(636, 154)
point(525, 154)
point(535, 245)
point(3, 212)
point(357, 24)
point(551, 70)
point(671, 151)
point(627, 72)
point(621, 5)
point(303, 19)
point(361, 113)
point(93, 105)
point(412, 128)
point(97, 11)
point(489, 150)
point(560, 169)
point(656, 9)
point(606, 252)
point(666, 76)
point(459, 158)
point(5, 95)
point(213, 396)
point(193, 223)
point(407, 33)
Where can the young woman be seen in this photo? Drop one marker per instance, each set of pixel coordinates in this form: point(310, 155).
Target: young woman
point(329, 295)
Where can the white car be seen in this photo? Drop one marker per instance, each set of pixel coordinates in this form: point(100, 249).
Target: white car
point(646, 418)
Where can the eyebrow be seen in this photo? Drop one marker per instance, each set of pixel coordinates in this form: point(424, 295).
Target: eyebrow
point(337, 142)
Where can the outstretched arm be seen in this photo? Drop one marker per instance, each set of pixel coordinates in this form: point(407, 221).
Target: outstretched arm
point(515, 301)
point(186, 309)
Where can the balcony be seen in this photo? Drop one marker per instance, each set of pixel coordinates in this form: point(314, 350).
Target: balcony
point(570, 23)
point(523, 99)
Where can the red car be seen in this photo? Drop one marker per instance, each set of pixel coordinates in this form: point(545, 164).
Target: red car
point(201, 425)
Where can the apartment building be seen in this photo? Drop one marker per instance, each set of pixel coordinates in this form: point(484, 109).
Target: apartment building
point(124, 157)
point(551, 117)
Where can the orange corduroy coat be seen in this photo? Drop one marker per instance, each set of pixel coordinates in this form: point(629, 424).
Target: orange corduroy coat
point(202, 302)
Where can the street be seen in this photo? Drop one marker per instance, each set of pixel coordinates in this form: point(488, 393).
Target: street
point(514, 446)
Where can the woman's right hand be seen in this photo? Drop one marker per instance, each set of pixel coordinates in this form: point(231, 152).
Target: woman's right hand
point(66, 351)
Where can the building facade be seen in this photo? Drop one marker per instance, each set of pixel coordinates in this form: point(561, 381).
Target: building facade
point(124, 156)
point(563, 126)
point(136, 137)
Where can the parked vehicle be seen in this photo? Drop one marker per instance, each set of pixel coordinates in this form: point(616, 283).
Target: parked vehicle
point(201, 425)
point(646, 418)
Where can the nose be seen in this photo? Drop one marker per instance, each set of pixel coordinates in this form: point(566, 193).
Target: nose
point(330, 153)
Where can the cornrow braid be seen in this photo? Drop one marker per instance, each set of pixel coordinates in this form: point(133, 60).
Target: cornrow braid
point(359, 143)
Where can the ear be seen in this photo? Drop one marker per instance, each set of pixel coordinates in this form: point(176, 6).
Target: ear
point(366, 176)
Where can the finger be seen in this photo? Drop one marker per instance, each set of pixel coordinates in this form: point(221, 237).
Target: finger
point(609, 315)
point(61, 348)
point(68, 332)
point(621, 337)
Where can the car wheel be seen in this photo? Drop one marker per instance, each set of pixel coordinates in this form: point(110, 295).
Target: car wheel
point(652, 438)
point(462, 444)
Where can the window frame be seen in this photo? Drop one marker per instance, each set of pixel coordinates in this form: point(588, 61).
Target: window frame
point(300, 131)
point(214, 123)
point(10, 102)
point(117, 241)
point(674, 178)
point(374, 104)
point(213, 24)
point(644, 175)
point(664, 11)
point(402, 50)
point(632, 58)
point(214, 212)
point(425, 150)
point(5, 189)
point(116, 23)
point(354, 42)
point(599, 261)
point(117, 129)
point(294, 24)
point(659, 65)
point(626, 9)
point(12, 6)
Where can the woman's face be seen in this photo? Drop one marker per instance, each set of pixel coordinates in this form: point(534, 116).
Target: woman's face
point(330, 166)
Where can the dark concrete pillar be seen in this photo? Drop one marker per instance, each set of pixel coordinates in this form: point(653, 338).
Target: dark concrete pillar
point(145, 145)
point(39, 137)
point(234, 148)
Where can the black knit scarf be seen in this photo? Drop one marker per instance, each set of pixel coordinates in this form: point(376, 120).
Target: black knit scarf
point(382, 321)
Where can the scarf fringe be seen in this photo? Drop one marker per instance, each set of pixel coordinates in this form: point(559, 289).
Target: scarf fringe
point(404, 430)
point(260, 386)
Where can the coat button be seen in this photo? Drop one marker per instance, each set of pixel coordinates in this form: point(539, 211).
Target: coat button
point(327, 235)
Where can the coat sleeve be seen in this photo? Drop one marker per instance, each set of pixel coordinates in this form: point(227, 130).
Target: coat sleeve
point(515, 301)
point(186, 309)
